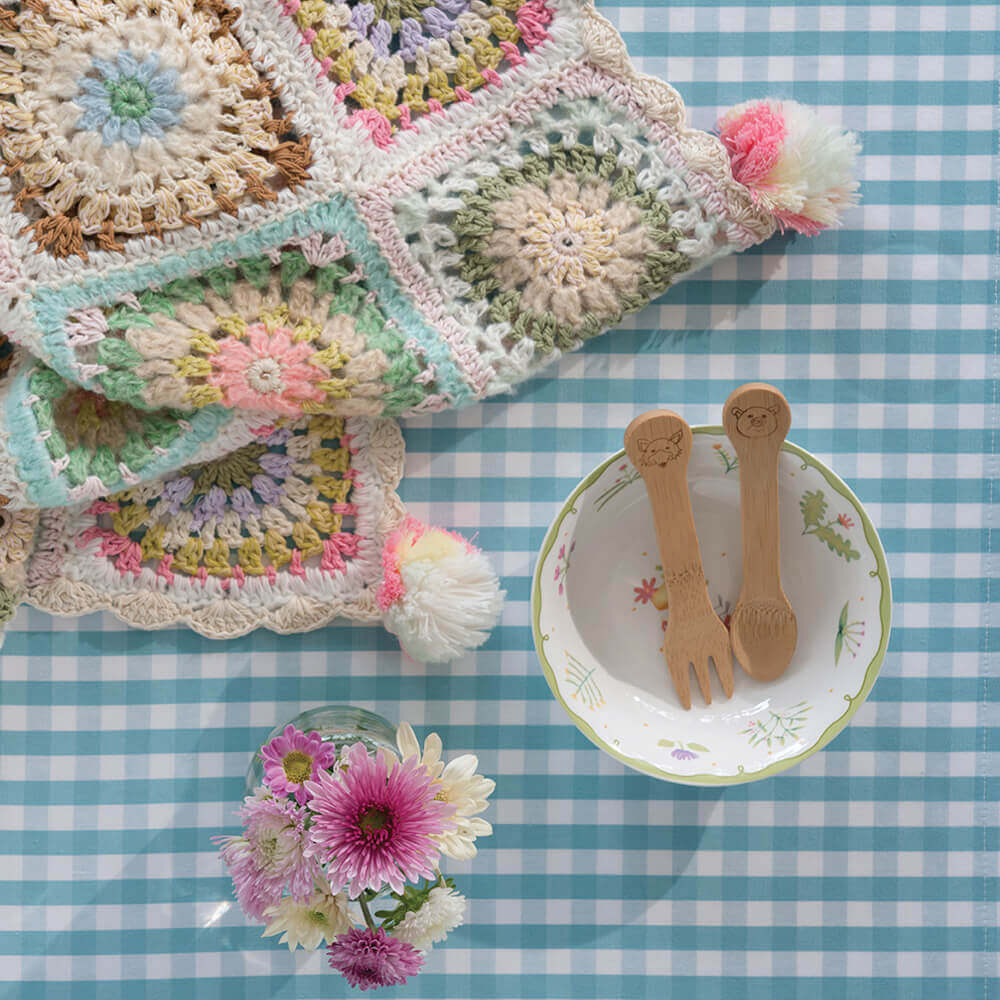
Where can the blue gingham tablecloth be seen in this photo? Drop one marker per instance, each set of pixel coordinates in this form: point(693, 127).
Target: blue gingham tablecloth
point(868, 871)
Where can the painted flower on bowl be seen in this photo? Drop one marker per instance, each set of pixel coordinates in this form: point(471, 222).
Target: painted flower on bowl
point(128, 99)
point(266, 371)
point(681, 754)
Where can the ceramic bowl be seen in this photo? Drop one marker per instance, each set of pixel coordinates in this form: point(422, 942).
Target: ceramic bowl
point(599, 634)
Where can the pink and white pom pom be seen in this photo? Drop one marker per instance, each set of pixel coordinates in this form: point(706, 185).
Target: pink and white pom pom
point(439, 594)
point(797, 167)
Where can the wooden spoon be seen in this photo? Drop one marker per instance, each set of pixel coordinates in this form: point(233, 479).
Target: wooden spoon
point(659, 445)
point(763, 627)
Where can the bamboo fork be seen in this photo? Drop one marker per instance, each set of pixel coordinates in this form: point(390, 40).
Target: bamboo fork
point(659, 445)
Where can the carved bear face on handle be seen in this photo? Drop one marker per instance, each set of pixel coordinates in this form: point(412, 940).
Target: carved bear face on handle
point(659, 451)
point(756, 421)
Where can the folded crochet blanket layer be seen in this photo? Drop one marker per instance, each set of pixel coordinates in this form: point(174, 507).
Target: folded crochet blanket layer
point(225, 231)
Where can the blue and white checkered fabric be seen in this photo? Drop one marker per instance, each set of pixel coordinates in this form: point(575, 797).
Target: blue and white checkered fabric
point(868, 871)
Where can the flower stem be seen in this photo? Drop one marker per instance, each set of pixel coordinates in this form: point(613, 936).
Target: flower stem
point(366, 913)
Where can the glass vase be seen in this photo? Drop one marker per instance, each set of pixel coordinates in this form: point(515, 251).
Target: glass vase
point(340, 725)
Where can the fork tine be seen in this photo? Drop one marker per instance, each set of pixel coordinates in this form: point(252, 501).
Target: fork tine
point(723, 660)
point(704, 682)
point(679, 675)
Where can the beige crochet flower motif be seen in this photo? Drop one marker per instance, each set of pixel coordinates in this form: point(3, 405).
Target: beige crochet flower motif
point(132, 118)
point(17, 534)
point(571, 249)
point(560, 247)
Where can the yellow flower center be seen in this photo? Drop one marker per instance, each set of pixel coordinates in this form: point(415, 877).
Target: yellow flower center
point(569, 244)
point(297, 766)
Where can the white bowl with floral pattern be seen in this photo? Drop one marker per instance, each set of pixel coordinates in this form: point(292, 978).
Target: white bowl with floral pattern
point(599, 633)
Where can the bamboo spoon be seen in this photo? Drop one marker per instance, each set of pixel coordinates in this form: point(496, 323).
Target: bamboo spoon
point(763, 628)
point(659, 445)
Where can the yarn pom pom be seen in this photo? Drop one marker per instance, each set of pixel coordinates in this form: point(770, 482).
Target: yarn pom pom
point(796, 166)
point(439, 594)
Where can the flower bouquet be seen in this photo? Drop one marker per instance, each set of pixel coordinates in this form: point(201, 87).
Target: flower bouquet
point(341, 844)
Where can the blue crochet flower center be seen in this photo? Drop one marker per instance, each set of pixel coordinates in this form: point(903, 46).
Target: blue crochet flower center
point(129, 99)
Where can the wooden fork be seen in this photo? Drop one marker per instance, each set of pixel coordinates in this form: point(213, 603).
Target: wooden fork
point(659, 445)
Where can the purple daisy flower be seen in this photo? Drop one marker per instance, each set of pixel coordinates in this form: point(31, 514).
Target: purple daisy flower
point(294, 757)
point(370, 959)
point(681, 754)
point(376, 821)
point(270, 855)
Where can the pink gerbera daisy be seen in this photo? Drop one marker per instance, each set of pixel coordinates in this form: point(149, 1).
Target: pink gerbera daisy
point(293, 758)
point(270, 855)
point(267, 371)
point(375, 822)
point(369, 958)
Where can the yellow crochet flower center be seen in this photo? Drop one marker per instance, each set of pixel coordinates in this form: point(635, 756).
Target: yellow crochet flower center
point(569, 244)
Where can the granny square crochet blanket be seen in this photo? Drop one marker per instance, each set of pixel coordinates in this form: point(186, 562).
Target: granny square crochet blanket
point(237, 242)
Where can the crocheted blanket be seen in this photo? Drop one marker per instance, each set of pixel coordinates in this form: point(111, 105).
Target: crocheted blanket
point(225, 231)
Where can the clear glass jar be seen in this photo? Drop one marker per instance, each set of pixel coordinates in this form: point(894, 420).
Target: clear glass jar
point(340, 725)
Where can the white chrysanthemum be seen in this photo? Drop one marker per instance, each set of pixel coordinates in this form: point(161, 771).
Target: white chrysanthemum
point(467, 791)
point(458, 784)
point(308, 924)
point(406, 740)
point(442, 912)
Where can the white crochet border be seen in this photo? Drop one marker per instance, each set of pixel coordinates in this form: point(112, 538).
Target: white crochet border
point(88, 582)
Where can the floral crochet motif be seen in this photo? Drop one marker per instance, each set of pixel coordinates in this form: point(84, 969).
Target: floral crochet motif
point(393, 61)
point(565, 244)
point(128, 100)
point(89, 437)
point(267, 372)
point(128, 119)
point(277, 505)
point(286, 333)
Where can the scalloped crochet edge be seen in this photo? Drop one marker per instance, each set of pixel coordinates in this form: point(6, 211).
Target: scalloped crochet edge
point(606, 49)
point(380, 461)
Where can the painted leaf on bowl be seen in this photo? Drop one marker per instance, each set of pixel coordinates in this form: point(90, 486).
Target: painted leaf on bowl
point(778, 727)
point(849, 634)
point(814, 507)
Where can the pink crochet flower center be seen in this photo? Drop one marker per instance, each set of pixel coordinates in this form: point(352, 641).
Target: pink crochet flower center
point(267, 371)
point(754, 141)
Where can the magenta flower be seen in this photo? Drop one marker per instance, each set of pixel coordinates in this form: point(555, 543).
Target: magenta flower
point(376, 822)
point(293, 758)
point(267, 371)
point(644, 594)
point(370, 959)
point(270, 855)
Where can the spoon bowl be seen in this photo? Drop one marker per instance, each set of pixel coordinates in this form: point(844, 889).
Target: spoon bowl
point(764, 633)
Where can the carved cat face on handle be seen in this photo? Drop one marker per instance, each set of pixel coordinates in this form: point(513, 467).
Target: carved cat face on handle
point(661, 450)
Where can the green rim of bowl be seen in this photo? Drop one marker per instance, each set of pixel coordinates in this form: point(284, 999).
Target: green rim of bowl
point(854, 702)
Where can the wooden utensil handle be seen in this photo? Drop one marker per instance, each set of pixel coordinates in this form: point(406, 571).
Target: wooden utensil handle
point(659, 446)
point(757, 417)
